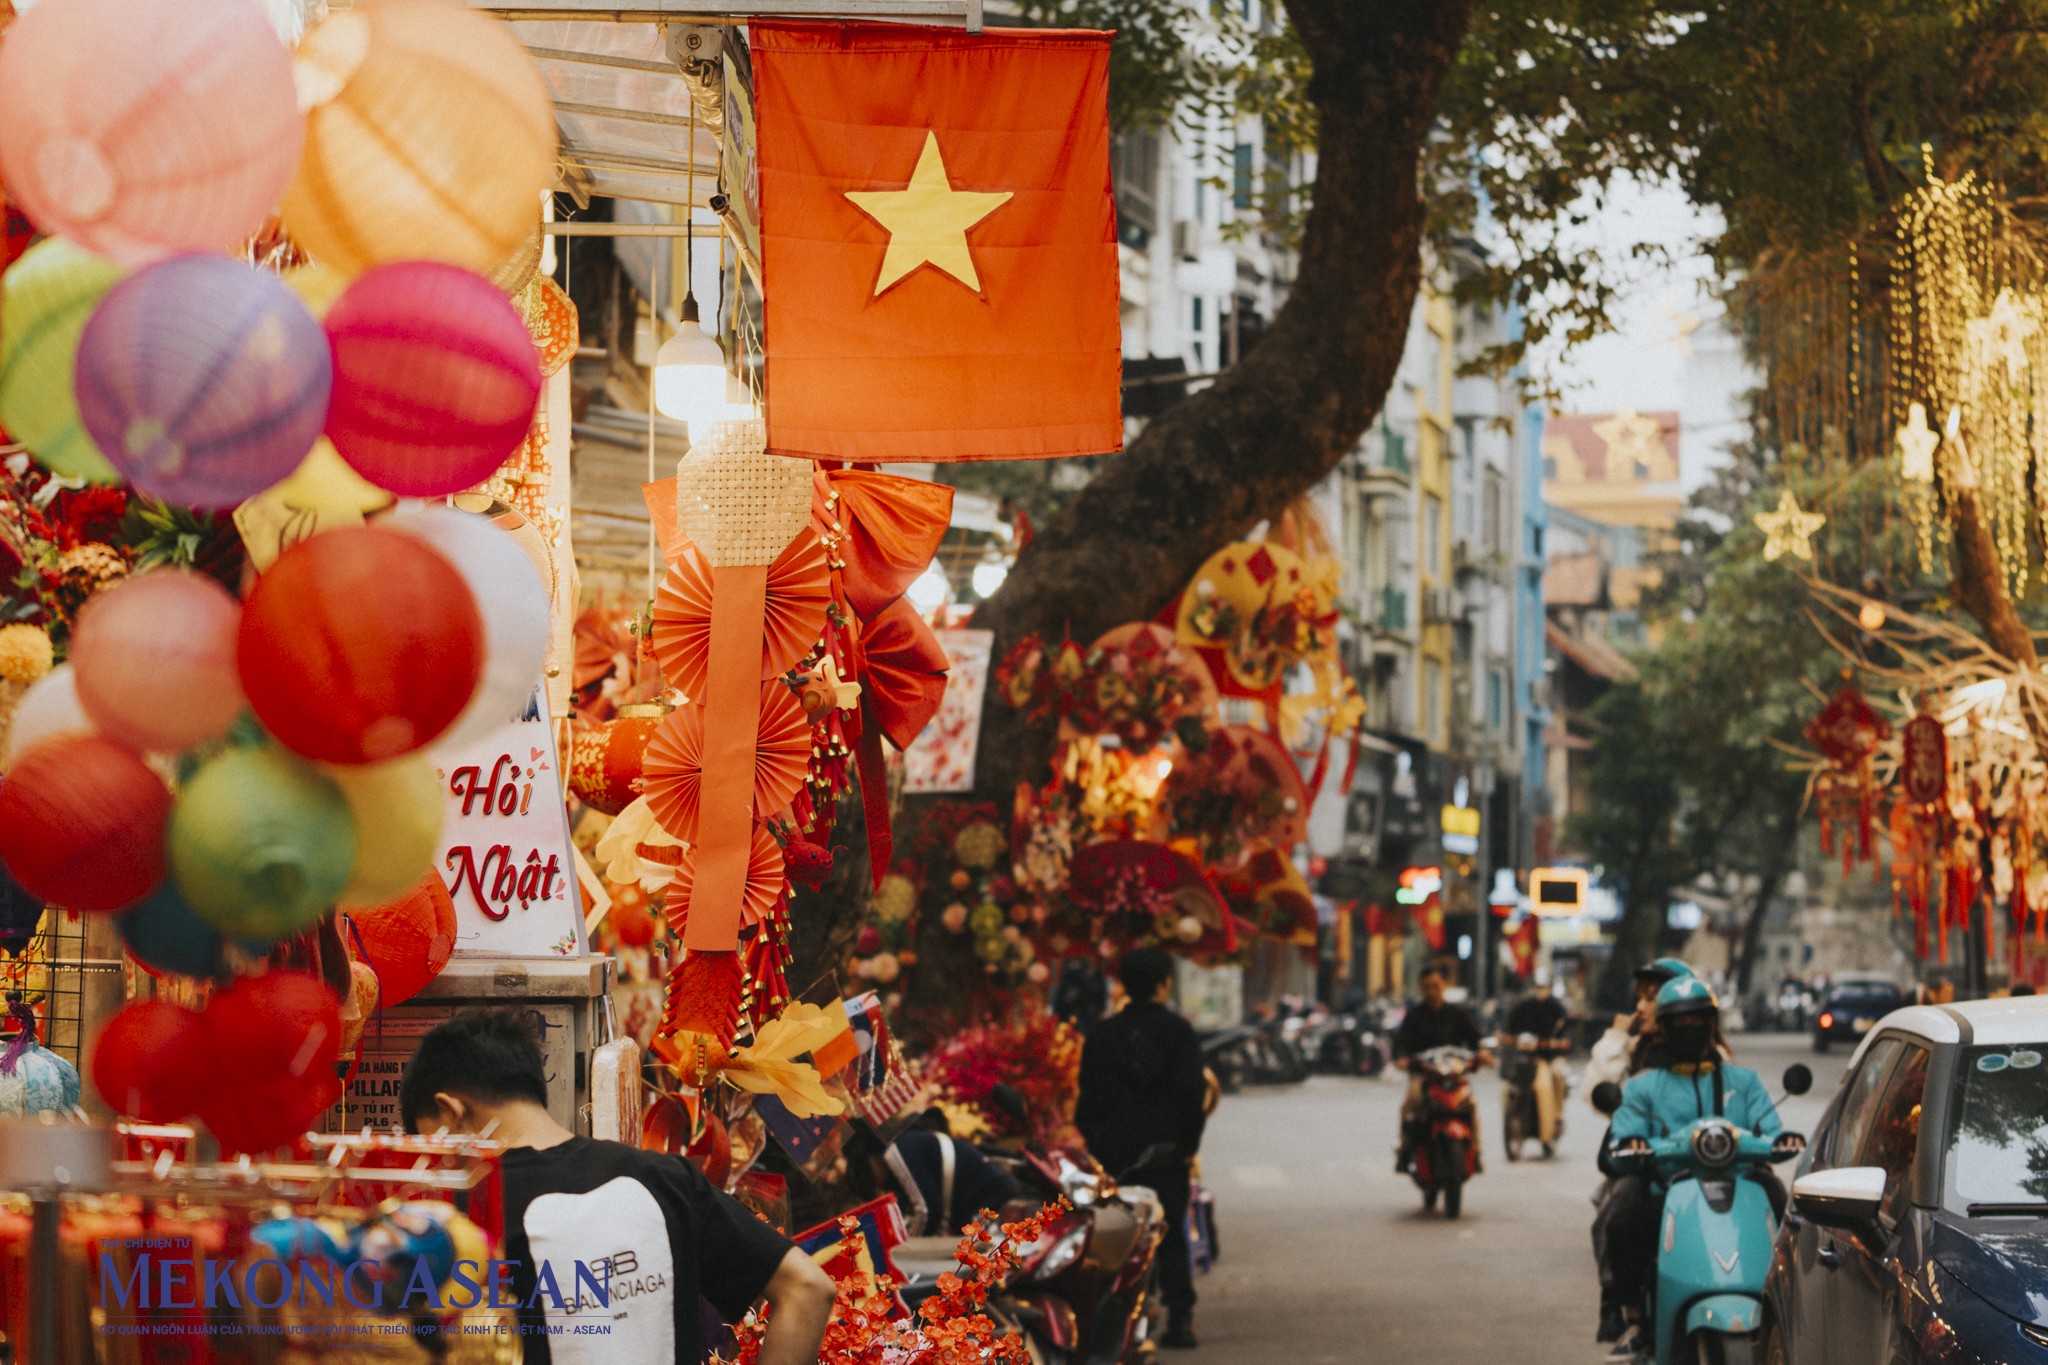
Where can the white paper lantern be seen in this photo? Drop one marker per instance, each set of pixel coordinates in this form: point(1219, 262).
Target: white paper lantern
point(511, 599)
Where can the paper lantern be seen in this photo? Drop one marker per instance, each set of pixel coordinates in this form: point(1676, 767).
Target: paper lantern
point(46, 298)
point(82, 823)
point(47, 709)
point(430, 137)
point(150, 1062)
point(435, 378)
point(359, 645)
point(512, 601)
point(21, 915)
point(276, 1038)
point(605, 760)
point(204, 381)
point(140, 130)
point(168, 938)
point(154, 660)
point(397, 808)
point(408, 940)
point(261, 843)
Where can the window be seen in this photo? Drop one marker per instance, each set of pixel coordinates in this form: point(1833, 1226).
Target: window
point(1859, 1104)
point(1997, 1151)
point(1493, 503)
point(1241, 175)
point(1134, 170)
point(1432, 535)
point(1432, 701)
point(1894, 1135)
point(1496, 699)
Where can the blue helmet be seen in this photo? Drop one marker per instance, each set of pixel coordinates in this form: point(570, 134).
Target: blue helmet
point(1685, 995)
point(1662, 970)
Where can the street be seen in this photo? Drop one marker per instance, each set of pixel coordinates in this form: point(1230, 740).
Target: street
point(1327, 1255)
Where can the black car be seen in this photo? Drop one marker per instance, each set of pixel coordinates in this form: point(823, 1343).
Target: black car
point(1918, 1232)
point(1851, 1011)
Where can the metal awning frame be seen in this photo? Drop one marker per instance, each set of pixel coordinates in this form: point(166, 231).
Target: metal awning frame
point(967, 13)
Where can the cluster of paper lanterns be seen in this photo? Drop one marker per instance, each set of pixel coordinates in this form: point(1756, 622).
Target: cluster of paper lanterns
point(359, 647)
point(406, 144)
point(278, 1035)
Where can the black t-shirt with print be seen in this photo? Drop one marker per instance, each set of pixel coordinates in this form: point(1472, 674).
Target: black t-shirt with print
point(646, 1225)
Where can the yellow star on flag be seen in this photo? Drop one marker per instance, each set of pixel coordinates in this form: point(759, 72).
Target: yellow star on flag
point(1789, 530)
point(928, 220)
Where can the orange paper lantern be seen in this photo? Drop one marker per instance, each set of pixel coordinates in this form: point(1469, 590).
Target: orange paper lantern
point(82, 823)
point(606, 759)
point(359, 645)
point(406, 941)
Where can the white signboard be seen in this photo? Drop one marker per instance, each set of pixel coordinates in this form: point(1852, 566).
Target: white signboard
point(505, 850)
point(941, 759)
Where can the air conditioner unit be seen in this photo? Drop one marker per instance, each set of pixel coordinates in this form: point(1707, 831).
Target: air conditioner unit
point(1187, 240)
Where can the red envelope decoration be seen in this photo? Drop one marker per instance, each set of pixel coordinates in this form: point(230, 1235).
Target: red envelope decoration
point(674, 767)
point(903, 675)
point(888, 529)
point(799, 588)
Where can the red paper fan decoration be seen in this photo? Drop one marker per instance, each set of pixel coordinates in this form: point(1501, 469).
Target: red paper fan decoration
point(903, 675)
point(889, 529)
point(764, 883)
point(799, 587)
point(606, 758)
point(674, 768)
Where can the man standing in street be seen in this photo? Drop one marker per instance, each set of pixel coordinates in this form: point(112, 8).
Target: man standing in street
point(659, 1236)
point(1431, 1022)
point(1142, 1088)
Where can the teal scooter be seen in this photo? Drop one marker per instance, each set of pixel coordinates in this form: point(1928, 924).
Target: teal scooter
point(1715, 1232)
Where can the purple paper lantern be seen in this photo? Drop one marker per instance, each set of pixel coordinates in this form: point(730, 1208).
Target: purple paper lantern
point(203, 380)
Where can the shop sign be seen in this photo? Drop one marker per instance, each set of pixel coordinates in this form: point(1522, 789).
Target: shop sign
point(1558, 890)
point(1460, 829)
point(505, 852)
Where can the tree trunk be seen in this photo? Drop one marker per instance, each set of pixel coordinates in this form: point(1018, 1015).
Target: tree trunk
point(1979, 578)
point(1768, 882)
point(1212, 467)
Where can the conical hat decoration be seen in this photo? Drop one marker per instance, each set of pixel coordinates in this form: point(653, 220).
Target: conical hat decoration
point(1221, 606)
point(793, 616)
point(1149, 640)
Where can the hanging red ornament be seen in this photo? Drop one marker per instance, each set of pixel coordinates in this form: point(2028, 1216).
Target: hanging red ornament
point(1923, 760)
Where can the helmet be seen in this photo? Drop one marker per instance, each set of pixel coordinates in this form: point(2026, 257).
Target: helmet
point(1662, 970)
point(1683, 995)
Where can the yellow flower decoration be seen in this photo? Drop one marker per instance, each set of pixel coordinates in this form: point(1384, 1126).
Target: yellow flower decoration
point(25, 653)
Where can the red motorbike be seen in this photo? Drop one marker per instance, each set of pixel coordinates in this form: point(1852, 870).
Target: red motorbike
point(1445, 1149)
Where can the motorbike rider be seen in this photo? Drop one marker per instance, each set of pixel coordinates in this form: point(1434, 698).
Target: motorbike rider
point(1540, 1015)
point(1431, 1022)
point(1686, 1077)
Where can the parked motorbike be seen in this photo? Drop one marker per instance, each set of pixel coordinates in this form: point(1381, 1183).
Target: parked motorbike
point(1717, 1226)
point(1257, 1052)
point(1081, 1294)
point(1530, 1097)
point(1348, 1043)
point(1443, 1155)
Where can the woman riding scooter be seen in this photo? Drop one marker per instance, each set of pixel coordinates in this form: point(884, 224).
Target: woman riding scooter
point(1686, 1078)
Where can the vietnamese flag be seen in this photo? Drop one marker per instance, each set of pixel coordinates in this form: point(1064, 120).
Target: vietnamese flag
point(938, 242)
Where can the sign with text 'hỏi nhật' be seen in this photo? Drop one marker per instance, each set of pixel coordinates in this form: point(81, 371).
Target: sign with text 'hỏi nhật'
point(505, 851)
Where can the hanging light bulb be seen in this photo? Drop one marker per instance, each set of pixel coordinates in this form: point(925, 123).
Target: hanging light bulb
point(931, 590)
point(689, 374)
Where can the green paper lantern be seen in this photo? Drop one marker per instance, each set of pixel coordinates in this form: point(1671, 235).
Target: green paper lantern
point(45, 299)
point(261, 843)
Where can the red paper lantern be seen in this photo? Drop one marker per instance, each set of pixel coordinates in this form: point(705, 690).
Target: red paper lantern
point(359, 645)
point(151, 1062)
point(82, 823)
point(605, 759)
point(435, 378)
point(407, 941)
point(281, 1025)
point(259, 1116)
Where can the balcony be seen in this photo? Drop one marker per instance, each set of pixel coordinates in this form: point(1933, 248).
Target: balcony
point(1393, 612)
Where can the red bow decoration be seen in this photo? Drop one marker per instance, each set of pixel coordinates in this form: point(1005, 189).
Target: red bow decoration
point(885, 529)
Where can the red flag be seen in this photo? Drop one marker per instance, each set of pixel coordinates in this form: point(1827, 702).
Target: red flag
point(938, 242)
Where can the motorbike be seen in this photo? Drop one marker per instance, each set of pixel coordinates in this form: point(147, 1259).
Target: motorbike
point(1348, 1042)
point(1529, 1098)
point(1081, 1293)
point(1443, 1154)
point(1717, 1227)
point(1260, 1052)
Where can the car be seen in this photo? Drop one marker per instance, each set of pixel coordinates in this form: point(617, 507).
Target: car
point(1918, 1226)
point(1852, 1009)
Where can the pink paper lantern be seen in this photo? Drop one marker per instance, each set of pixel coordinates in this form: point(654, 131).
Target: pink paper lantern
point(155, 660)
point(204, 381)
point(435, 378)
point(143, 128)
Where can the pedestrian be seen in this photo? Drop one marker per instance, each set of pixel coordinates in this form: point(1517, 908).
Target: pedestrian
point(647, 1225)
point(1431, 1022)
point(1082, 996)
point(1141, 1111)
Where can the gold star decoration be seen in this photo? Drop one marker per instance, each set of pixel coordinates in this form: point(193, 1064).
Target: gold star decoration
point(1917, 442)
point(2003, 334)
point(1632, 440)
point(1789, 530)
point(928, 220)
